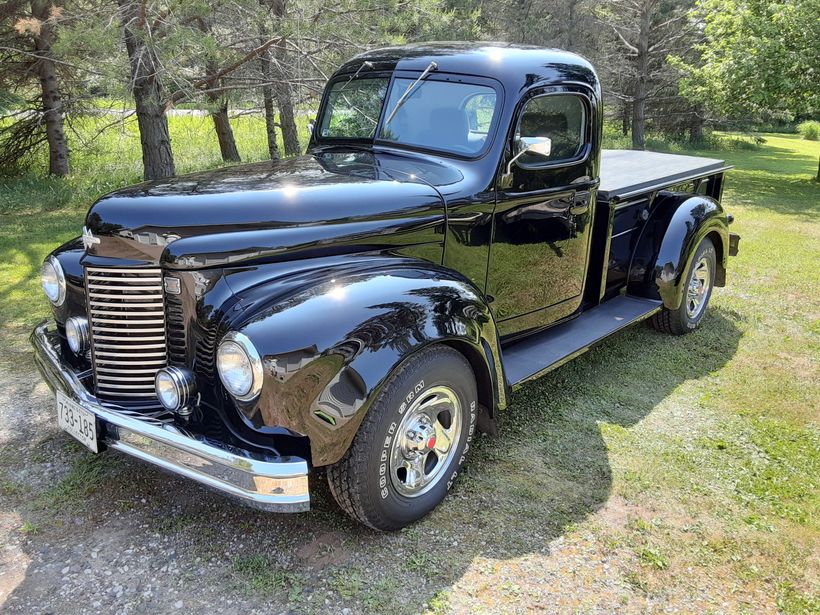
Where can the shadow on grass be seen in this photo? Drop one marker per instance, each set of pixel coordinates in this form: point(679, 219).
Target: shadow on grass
point(775, 178)
point(10, 310)
point(770, 191)
point(548, 470)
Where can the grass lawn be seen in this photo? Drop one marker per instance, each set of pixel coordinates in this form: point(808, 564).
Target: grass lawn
point(652, 472)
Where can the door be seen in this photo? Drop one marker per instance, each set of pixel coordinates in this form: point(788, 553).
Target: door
point(542, 221)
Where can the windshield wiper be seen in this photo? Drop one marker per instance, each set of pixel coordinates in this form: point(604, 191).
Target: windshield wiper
point(433, 66)
point(367, 63)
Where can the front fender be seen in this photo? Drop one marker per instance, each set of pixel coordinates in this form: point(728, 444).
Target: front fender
point(677, 225)
point(327, 349)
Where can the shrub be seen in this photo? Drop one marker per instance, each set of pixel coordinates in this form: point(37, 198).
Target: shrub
point(733, 144)
point(810, 129)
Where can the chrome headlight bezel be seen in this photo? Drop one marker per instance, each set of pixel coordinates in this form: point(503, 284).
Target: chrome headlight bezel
point(52, 267)
point(182, 386)
point(240, 347)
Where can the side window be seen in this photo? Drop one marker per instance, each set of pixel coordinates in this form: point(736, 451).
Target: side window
point(562, 118)
point(480, 109)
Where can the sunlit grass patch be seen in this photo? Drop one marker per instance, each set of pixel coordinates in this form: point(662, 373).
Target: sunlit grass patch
point(259, 573)
point(86, 474)
point(691, 463)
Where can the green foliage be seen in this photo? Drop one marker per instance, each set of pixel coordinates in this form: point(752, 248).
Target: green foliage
point(810, 130)
point(258, 573)
point(9, 101)
point(711, 141)
point(29, 528)
point(348, 583)
point(758, 58)
point(652, 557)
point(712, 433)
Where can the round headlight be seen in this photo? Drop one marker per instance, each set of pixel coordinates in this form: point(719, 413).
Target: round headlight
point(53, 280)
point(76, 332)
point(174, 387)
point(239, 366)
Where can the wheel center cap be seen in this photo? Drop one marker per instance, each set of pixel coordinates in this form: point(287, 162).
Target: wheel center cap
point(421, 437)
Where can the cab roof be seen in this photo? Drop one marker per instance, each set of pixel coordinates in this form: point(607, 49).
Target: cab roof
point(516, 66)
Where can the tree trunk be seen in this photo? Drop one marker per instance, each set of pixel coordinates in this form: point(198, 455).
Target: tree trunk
point(642, 76)
point(696, 125)
point(222, 123)
point(282, 92)
point(267, 97)
point(287, 120)
point(639, 117)
point(625, 114)
point(818, 170)
point(52, 101)
point(157, 157)
point(570, 34)
point(270, 122)
point(224, 133)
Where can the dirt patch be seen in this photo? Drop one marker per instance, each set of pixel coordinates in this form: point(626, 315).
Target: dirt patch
point(325, 550)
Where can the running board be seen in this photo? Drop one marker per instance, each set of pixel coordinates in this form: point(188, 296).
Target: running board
point(549, 349)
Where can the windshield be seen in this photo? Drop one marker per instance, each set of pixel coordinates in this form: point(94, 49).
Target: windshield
point(438, 115)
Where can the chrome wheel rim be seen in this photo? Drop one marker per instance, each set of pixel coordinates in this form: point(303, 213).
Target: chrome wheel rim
point(698, 289)
point(426, 440)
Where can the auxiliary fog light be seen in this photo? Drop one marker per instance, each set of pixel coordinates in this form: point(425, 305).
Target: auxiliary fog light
point(175, 388)
point(76, 332)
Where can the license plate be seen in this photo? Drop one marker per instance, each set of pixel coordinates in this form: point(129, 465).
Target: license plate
point(77, 421)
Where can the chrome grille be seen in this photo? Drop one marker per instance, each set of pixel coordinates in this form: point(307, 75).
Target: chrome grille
point(127, 321)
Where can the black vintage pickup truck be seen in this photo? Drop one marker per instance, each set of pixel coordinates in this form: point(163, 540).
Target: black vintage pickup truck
point(453, 231)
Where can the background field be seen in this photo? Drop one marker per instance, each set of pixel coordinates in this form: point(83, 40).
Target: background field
point(652, 473)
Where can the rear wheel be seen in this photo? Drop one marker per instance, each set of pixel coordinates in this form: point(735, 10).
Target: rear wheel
point(411, 444)
point(700, 280)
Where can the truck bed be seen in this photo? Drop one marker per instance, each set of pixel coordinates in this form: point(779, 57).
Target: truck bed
point(628, 173)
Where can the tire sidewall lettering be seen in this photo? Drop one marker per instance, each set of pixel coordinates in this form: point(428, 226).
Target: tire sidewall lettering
point(408, 399)
point(469, 439)
point(383, 459)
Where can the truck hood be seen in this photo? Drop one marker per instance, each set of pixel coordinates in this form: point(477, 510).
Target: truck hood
point(323, 203)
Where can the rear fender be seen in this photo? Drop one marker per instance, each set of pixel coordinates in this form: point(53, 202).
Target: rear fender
point(327, 350)
point(677, 225)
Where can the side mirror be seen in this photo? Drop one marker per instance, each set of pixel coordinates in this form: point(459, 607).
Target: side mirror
point(540, 146)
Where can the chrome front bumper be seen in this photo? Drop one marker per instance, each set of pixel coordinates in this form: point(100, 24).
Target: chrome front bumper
point(280, 485)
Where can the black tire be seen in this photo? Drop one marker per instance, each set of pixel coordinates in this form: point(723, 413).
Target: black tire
point(362, 481)
point(680, 321)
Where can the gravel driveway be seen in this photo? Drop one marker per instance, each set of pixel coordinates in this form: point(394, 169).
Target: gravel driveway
point(532, 525)
point(85, 533)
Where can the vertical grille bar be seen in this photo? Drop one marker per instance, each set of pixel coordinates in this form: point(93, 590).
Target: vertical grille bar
point(126, 316)
point(175, 328)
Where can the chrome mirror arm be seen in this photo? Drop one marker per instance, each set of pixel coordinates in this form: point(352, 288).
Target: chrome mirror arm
point(542, 147)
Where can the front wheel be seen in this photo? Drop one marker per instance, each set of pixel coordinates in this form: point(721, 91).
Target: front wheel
point(700, 280)
point(411, 444)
